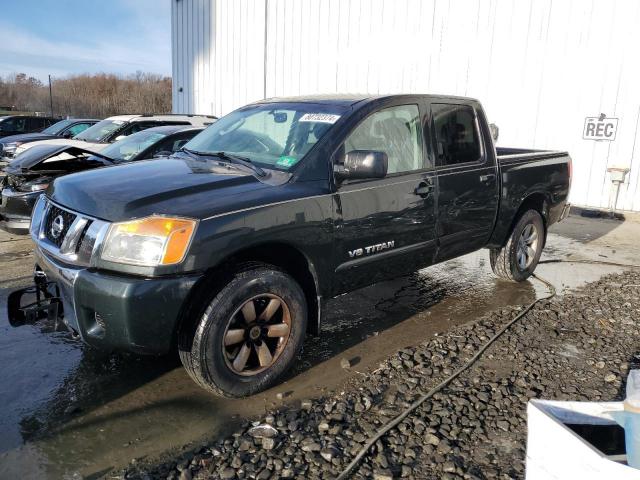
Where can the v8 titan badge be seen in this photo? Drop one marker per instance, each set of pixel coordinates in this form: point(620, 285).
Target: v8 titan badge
point(600, 128)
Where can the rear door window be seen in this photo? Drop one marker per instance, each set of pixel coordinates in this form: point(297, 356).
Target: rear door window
point(38, 123)
point(456, 133)
point(16, 124)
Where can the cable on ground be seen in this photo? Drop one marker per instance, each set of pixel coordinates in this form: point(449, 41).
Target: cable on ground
point(396, 421)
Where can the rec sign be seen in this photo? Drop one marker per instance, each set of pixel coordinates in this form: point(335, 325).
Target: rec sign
point(600, 128)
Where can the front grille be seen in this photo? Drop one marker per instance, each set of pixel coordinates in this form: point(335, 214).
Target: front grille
point(56, 235)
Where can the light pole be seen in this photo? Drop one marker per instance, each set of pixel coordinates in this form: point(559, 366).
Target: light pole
point(50, 96)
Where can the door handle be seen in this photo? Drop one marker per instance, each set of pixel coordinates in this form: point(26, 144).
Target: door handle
point(487, 178)
point(423, 189)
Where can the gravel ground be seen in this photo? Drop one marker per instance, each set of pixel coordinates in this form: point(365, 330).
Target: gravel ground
point(576, 347)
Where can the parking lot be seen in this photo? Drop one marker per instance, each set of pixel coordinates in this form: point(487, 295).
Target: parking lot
point(66, 408)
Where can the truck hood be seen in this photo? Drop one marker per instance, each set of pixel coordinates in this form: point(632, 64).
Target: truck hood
point(94, 147)
point(54, 154)
point(175, 186)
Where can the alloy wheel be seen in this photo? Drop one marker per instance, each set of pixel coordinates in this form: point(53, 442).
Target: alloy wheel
point(256, 334)
point(527, 246)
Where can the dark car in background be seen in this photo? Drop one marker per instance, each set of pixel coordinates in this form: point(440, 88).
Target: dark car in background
point(17, 124)
point(29, 174)
point(68, 128)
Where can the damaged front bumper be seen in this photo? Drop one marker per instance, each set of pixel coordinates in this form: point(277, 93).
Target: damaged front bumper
point(15, 210)
point(50, 297)
point(106, 310)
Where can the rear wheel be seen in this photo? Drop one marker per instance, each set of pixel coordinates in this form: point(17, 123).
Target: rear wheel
point(250, 333)
point(518, 259)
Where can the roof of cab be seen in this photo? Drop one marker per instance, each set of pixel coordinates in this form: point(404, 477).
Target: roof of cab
point(347, 100)
point(332, 99)
point(124, 118)
point(162, 117)
point(171, 129)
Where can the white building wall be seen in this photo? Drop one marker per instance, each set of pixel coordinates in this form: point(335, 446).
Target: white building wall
point(538, 66)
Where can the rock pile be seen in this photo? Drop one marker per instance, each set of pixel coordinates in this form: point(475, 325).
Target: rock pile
point(579, 346)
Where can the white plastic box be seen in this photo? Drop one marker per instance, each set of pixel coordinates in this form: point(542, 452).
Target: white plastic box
point(555, 451)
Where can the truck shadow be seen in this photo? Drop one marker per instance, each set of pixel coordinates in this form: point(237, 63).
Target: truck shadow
point(585, 225)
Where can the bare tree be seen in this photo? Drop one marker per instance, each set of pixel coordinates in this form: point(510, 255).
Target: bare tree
point(100, 95)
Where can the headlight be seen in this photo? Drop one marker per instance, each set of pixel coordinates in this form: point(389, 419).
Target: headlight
point(149, 241)
point(36, 186)
point(10, 147)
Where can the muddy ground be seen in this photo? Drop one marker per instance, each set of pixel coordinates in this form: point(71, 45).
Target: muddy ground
point(576, 347)
point(67, 409)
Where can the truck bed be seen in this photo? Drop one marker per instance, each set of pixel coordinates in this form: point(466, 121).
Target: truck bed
point(543, 176)
point(510, 155)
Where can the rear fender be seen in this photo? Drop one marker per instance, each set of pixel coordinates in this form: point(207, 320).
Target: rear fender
point(506, 220)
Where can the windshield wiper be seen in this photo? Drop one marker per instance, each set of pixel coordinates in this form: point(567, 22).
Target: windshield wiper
point(240, 160)
point(245, 162)
point(193, 153)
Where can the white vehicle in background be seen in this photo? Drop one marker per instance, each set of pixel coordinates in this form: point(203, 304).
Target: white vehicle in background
point(110, 129)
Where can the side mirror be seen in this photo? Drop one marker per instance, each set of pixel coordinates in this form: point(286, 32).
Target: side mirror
point(120, 137)
point(495, 131)
point(359, 164)
point(162, 154)
point(67, 134)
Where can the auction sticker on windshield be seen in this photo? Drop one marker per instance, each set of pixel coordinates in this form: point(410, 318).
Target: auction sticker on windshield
point(319, 117)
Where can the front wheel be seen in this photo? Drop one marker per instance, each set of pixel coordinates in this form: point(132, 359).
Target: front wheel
point(250, 333)
point(518, 259)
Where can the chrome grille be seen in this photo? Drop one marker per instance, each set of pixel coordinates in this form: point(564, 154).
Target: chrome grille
point(57, 224)
point(79, 236)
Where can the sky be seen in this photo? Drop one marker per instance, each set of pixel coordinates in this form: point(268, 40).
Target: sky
point(65, 37)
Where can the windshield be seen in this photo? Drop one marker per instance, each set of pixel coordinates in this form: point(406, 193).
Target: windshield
point(57, 127)
point(274, 135)
point(129, 147)
point(100, 131)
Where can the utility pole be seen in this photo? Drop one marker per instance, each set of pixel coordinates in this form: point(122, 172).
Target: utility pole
point(50, 96)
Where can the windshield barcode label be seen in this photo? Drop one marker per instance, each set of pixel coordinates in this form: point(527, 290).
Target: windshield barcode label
point(319, 117)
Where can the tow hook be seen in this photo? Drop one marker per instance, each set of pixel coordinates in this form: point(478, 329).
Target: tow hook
point(36, 302)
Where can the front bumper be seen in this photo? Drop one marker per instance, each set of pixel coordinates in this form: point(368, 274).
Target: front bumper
point(15, 210)
point(118, 312)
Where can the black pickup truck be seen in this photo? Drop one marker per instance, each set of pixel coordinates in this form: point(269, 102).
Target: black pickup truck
point(228, 250)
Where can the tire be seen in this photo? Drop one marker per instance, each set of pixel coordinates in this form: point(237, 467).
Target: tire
point(217, 365)
point(506, 262)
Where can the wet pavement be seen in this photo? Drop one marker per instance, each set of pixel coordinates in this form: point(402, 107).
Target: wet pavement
point(65, 408)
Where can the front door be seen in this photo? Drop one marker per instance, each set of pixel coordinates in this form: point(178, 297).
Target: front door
point(467, 178)
point(386, 227)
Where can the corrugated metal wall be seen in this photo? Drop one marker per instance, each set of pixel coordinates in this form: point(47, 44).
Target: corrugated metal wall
point(539, 66)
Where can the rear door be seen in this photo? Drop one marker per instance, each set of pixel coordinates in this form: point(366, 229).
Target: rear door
point(386, 227)
point(467, 179)
point(13, 126)
point(35, 124)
